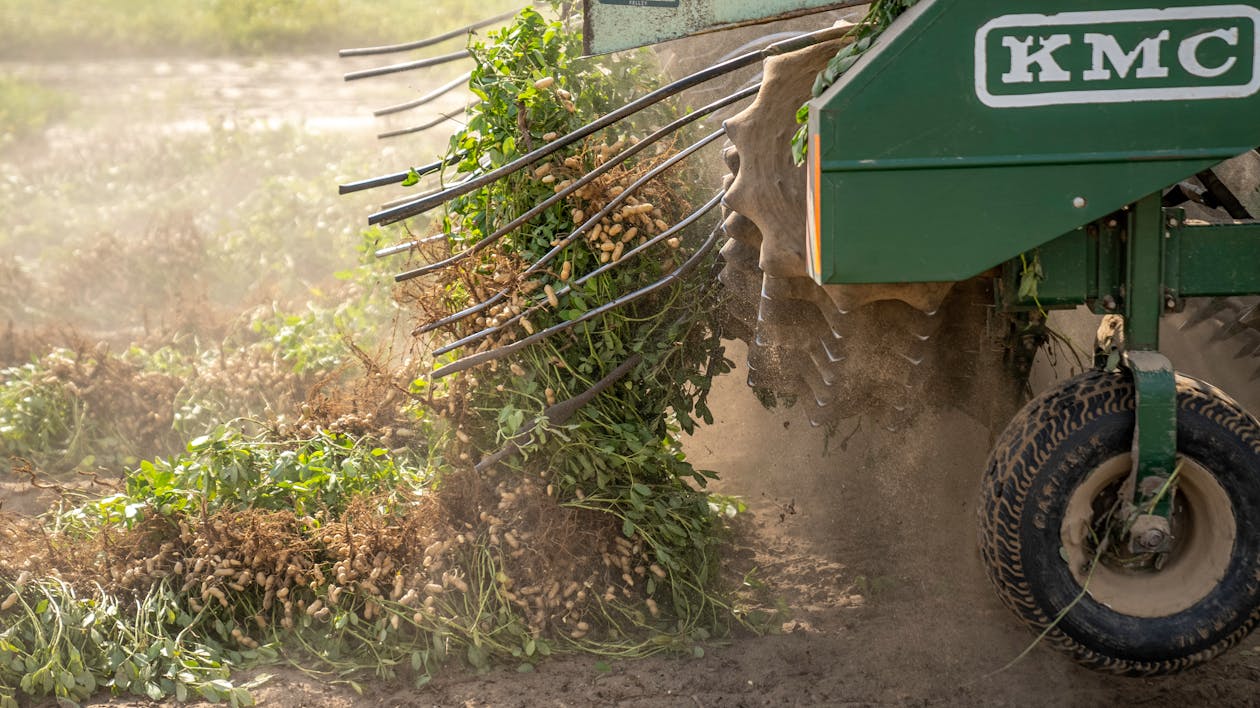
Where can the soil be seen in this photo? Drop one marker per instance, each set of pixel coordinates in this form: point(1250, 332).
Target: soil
point(868, 543)
point(866, 539)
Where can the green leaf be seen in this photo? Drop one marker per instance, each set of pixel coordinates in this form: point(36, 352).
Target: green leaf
point(412, 178)
point(603, 667)
point(477, 657)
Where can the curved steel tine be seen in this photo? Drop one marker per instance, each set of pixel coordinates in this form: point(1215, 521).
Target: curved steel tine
point(397, 177)
point(788, 45)
point(564, 243)
point(412, 196)
point(560, 412)
point(691, 218)
point(582, 182)
point(428, 41)
point(491, 354)
point(408, 65)
point(442, 118)
point(438, 92)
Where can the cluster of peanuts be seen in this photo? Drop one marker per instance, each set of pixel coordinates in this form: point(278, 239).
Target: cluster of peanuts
point(227, 554)
point(636, 219)
point(375, 413)
point(526, 579)
point(556, 591)
point(564, 97)
point(243, 375)
point(301, 567)
point(272, 567)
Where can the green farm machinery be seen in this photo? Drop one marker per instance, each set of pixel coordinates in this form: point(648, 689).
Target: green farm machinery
point(1052, 156)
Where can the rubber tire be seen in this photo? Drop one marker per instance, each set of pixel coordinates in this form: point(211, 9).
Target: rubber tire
point(1037, 464)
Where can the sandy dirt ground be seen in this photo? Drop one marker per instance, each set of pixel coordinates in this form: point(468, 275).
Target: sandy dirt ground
point(871, 548)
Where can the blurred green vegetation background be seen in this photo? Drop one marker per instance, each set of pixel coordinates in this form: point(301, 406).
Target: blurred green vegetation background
point(75, 28)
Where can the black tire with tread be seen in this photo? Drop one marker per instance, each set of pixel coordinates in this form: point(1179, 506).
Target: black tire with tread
point(1049, 449)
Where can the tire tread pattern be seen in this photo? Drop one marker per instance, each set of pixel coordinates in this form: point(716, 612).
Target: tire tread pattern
point(1039, 428)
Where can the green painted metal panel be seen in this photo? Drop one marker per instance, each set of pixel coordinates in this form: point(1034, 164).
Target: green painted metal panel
point(1218, 260)
point(976, 130)
point(1144, 276)
point(1069, 264)
point(1087, 265)
point(613, 25)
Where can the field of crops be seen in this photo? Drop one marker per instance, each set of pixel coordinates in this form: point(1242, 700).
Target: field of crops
point(223, 448)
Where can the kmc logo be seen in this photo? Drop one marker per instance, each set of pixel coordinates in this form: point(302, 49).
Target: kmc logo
point(1119, 56)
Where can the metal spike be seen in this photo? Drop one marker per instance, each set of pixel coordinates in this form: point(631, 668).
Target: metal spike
point(562, 411)
point(564, 243)
point(428, 41)
point(566, 289)
point(660, 94)
point(398, 177)
point(408, 65)
point(461, 80)
point(582, 182)
point(442, 118)
point(483, 357)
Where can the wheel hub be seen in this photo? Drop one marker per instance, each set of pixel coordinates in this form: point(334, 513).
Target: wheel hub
point(1165, 565)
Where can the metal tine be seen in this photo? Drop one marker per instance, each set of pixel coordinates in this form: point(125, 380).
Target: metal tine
point(564, 243)
point(428, 41)
point(403, 247)
point(747, 46)
point(583, 181)
point(406, 246)
point(560, 412)
point(442, 118)
point(408, 65)
point(412, 196)
point(788, 45)
point(1214, 307)
point(691, 218)
point(1228, 330)
point(1249, 315)
point(1249, 350)
point(397, 177)
point(491, 354)
point(438, 92)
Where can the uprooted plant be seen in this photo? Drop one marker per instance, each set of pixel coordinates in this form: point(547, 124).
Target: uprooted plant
point(525, 504)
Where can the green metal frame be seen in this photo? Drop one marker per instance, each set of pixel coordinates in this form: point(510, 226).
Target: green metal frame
point(1089, 265)
point(931, 115)
point(1141, 262)
point(1052, 126)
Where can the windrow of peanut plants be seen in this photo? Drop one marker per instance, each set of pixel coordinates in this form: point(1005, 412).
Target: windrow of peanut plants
point(325, 510)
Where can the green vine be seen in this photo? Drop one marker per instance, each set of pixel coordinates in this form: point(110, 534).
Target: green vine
point(618, 454)
point(863, 36)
